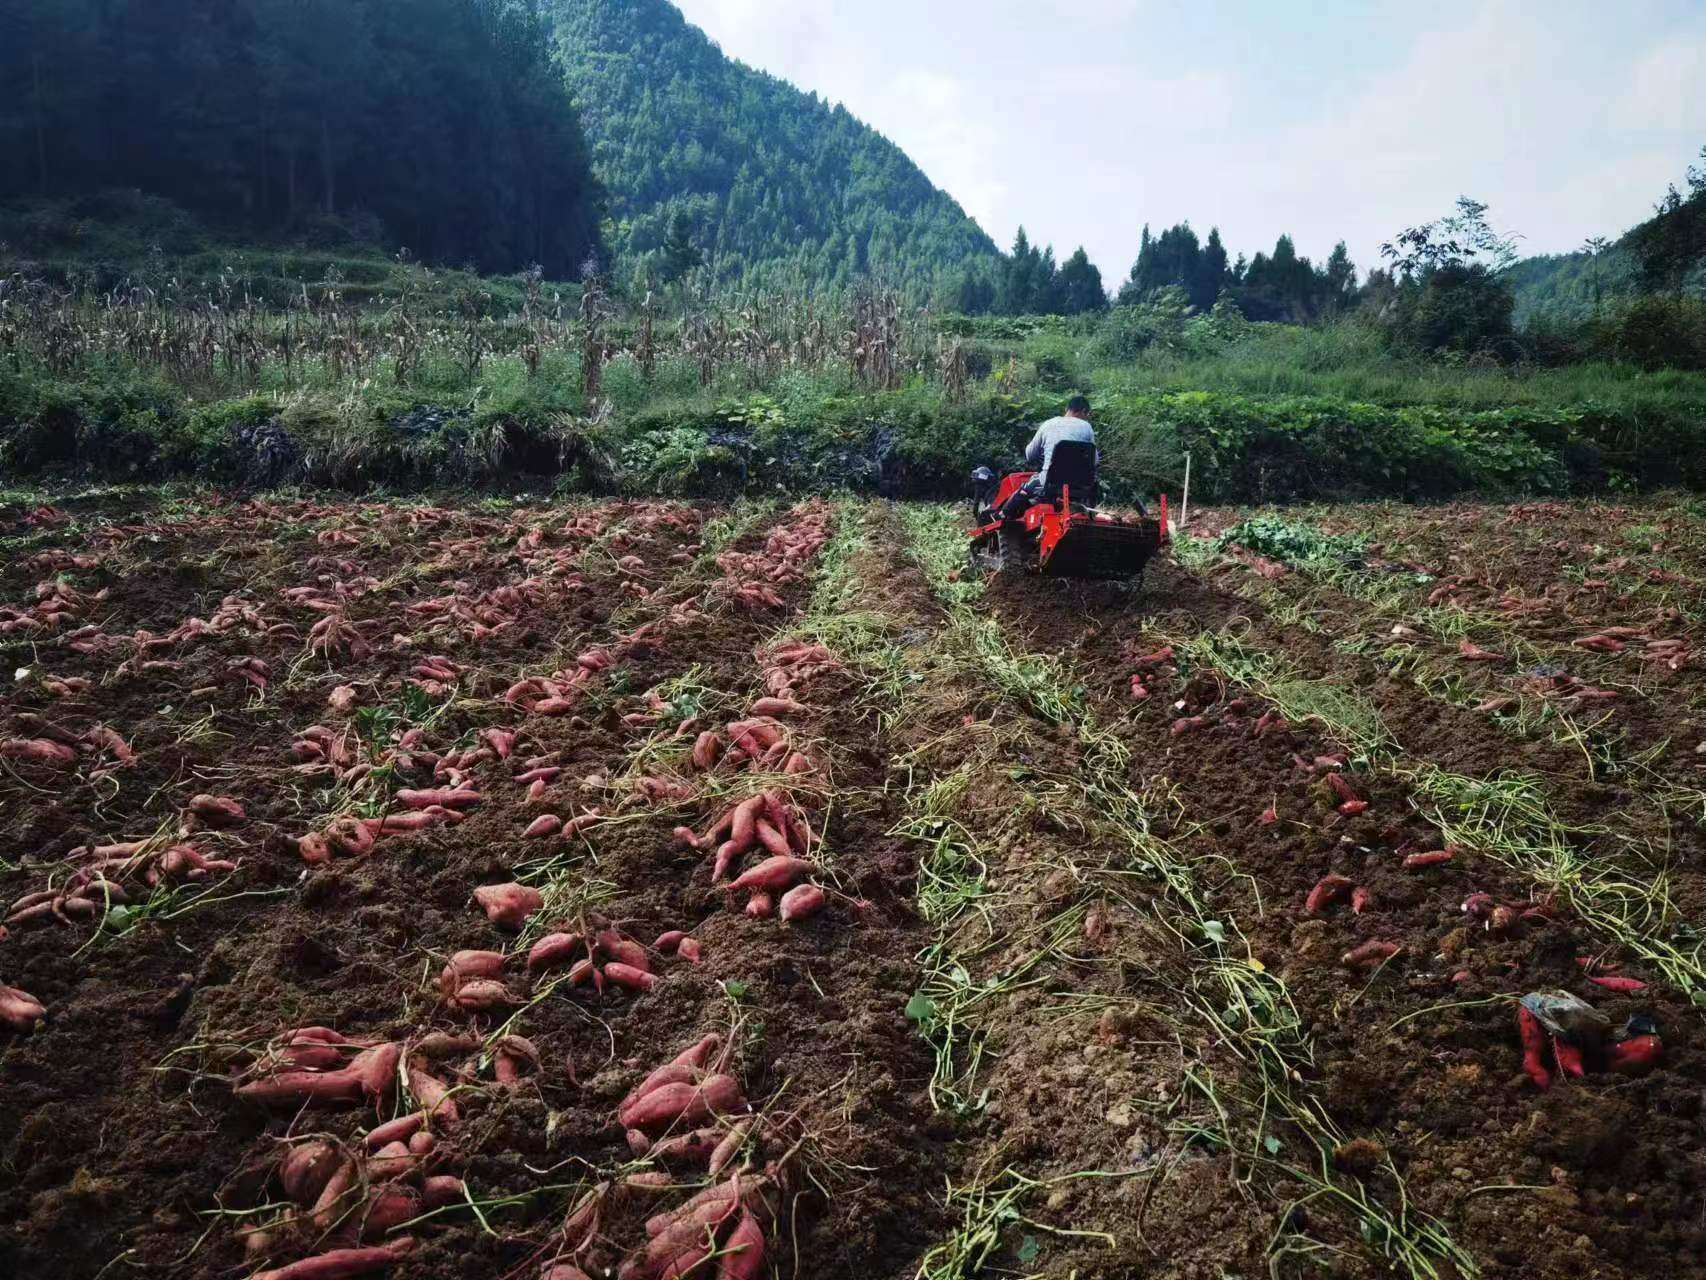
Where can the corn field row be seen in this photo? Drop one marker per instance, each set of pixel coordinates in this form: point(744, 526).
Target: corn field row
point(227, 338)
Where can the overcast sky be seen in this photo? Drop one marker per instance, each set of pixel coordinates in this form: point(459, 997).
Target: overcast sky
point(1328, 119)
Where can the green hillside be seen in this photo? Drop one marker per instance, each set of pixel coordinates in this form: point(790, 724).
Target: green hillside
point(1666, 253)
point(435, 125)
point(768, 184)
point(1567, 287)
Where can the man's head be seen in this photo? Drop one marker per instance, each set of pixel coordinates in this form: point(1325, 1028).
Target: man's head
point(1078, 407)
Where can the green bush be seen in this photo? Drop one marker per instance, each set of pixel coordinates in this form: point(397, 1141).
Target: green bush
point(1463, 309)
point(1660, 332)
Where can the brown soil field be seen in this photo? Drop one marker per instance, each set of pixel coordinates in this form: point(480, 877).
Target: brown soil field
point(364, 860)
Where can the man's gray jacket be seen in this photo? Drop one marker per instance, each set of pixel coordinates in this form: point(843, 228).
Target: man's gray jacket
point(1040, 452)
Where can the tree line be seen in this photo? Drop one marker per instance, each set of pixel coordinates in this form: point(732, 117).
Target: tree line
point(723, 175)
point(439, 125)
point(1282, 285)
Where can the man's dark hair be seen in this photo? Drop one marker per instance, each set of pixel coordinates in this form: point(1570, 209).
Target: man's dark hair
point(1078, 404)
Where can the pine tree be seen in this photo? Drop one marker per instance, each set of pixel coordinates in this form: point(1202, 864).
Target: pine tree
point(1080, 285)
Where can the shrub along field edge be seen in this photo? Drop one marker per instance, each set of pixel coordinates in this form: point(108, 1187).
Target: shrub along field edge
point(817, 431)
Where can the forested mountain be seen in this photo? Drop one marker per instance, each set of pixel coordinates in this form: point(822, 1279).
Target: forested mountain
point(442, 119)
point(706, 158)
point(1664, 254)
point(1571, 286)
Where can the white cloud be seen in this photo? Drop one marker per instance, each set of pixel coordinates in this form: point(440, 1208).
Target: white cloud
point(1669, 76)
point(1086, 118)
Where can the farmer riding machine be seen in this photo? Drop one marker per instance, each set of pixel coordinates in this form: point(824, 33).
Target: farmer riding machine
point(1061, 534)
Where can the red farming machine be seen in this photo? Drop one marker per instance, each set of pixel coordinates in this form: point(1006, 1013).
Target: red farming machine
point(1063, 538)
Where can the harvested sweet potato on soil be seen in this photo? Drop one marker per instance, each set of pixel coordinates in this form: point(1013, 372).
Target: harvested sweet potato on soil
point(508, 905)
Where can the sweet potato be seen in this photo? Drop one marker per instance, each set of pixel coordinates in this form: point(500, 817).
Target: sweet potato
point(437, 1045)
point(729, 1147)
point(216, 811)
point(1351, 808)
point(775, 707)
point(1328, 890)
point(330, 1205)
point(306, 1168)
point(707, 747)
point(625, 975)
point(671, 1073)
point(42, 751)
point(667, 942)
point(186, 862)
point(685, 836)
point(727, 852)
point(508, 905)
point(1164, 654)
point(1432, 858)
point(399, 1130)
point(1341, 786)
point(510, 1054)
point(309, 1055)
point(773, 840)
point(314, 848)
point(1625, 986)
point(544, 773)
point(743, 1252)
point(744, 829)
point(482, 993)
point(19, 1009)
point(469, 964)
point(721, 1192)
point(687, 1240)
point(581, 821)
point(688, 1148)
point(546, 824)
point(414, 820)
point(554, 949)
point(438, 797)
point(433, 1095)
point(393, 1160)
point(302, 1088)
point(1533, 1037)
point(774, 873)
point(801, 902)
point(626, 950)
point(761, 906)
point(375, 1069)
point(1369, 954)
point(1636, 1055)
point(691, 950)
point(721, 826)
point(684, 1103)
point(390, 1207)
point(441, 1190)
point(1569, 1059)
point(341, 1264)
point(1361, 899)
